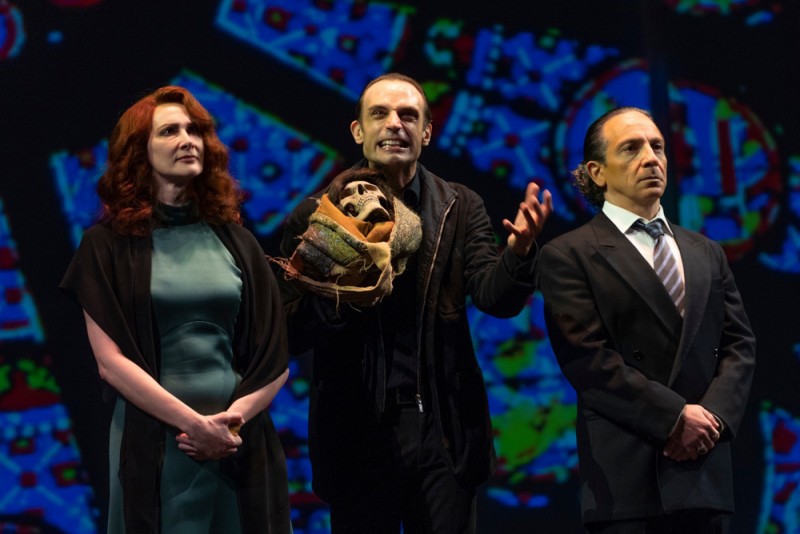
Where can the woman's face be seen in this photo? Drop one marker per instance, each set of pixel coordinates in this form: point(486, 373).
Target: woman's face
point(175, 147)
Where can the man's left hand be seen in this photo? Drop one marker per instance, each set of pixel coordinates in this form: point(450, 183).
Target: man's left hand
point(696, 434)
point(529, 221)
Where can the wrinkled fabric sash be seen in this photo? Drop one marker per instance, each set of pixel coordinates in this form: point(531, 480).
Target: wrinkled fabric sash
point(348, 260)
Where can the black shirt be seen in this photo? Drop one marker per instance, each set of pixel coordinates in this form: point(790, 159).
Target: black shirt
point(398, 316)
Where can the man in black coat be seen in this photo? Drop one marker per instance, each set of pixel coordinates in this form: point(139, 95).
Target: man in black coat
point(399, 428)
point(662, 369)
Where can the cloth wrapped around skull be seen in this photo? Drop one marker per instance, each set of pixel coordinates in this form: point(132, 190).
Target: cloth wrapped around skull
point(358, 239)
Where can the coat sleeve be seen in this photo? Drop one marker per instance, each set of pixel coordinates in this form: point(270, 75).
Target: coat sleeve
point(606, 384)
point(498, 281)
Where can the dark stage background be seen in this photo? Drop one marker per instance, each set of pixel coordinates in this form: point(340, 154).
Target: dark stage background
point(513, 86)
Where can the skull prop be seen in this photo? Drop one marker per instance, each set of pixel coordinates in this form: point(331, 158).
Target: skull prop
point(364, 201)
point(357, 241)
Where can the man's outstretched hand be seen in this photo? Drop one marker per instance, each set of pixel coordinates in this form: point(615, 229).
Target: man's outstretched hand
point(529, 221)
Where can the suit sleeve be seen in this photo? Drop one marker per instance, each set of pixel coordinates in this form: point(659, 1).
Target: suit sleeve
point(727, 394)
point(606, 384)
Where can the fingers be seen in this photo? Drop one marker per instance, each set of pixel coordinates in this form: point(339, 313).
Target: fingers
point(524, 224)
point(680, 454)
point(530, 218)
point(711, 434)
point(234, 422)
point(235, 419)
point(541, 209)
point(195, 453)
point(548, 202)
point(672, 449)
point(710, 418)
point(699, 424)
point(675, 451)
point(695, 436)
point(528, 214)
point(716, 427)
point(534, 211)
point(217, 438)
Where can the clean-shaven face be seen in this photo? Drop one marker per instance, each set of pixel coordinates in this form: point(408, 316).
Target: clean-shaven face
point(175, 147)
point(392, 126)
point(634, 174)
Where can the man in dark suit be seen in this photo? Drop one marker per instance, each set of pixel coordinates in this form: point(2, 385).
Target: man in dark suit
point(662, 368)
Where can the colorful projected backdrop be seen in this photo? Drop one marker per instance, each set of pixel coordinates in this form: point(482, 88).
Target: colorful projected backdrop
point(511, 105)
point(40, 466)
point(12, 31)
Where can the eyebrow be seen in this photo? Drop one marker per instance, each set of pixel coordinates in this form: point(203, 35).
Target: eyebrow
point(409, 109)
point(404, 109)
point(639, 140)
point(175, 123)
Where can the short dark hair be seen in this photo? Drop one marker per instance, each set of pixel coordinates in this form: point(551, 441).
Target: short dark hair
point(594, 149)
point(396, 76)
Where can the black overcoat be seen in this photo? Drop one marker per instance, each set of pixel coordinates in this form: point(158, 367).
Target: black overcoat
point(458, 258)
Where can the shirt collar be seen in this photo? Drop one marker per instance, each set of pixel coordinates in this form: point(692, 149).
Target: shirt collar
point(623, 219)
point(411, 192)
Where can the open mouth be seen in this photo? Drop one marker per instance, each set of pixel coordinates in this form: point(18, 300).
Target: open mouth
point(393, 143)
point(378, 215)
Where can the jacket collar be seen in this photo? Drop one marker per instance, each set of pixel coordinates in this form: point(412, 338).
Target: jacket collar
point(436, 200)
point(622, 256)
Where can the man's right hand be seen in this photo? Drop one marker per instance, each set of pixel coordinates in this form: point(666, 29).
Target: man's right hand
point(529, 220)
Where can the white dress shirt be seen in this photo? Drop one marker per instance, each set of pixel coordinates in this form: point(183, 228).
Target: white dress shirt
point(623, 219)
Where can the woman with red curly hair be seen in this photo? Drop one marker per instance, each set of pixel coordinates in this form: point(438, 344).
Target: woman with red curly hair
point(185, 321)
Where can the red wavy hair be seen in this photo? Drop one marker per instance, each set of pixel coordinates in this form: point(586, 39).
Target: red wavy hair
point(127, 188)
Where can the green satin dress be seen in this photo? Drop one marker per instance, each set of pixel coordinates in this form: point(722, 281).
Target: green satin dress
point(196, 291)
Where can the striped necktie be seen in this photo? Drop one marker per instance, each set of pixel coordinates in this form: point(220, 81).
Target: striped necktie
point(664, 262)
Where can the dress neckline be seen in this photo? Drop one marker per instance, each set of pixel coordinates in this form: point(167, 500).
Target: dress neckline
point(177, 215)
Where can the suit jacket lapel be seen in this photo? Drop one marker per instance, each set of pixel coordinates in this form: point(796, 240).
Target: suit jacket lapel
point(697, 279)
point(623, 257)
